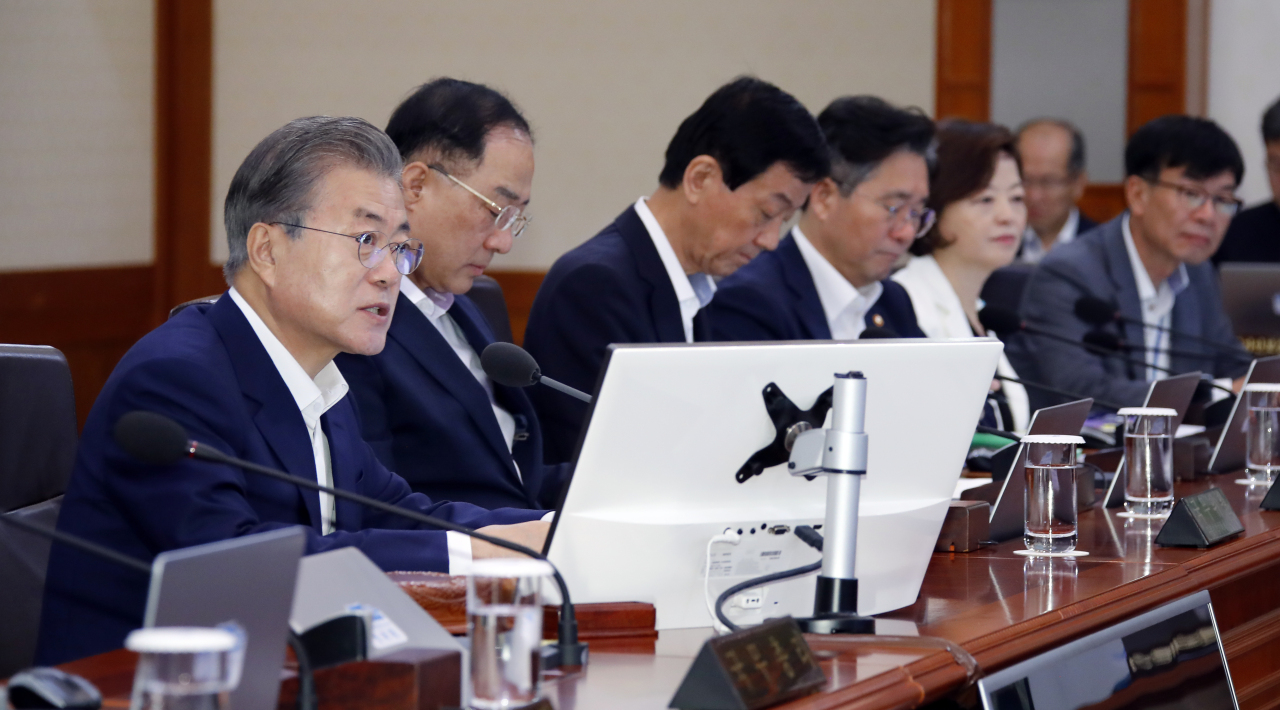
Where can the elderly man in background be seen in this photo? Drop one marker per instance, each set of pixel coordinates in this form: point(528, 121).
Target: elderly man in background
point(1054, 178)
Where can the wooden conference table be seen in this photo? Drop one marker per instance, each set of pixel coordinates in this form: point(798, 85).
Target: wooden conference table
point(998, 606)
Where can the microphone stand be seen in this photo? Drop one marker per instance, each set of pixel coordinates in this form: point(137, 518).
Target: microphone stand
point(569, 652)
point(1071, 396)
point(840, 453)
point(72, 540)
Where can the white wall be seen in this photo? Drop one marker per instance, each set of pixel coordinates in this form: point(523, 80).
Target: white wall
point(1066, 60)
point(1244, 78)
point(76, 125)
point(604, 83)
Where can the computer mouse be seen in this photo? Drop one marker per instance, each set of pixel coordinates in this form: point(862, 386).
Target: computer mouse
point(51, 688)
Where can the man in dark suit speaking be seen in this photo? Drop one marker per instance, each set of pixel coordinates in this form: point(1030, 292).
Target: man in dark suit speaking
point(318, 240)
point(829, 277)
point(426, 405)
point(1150, 262)
point(737, 168)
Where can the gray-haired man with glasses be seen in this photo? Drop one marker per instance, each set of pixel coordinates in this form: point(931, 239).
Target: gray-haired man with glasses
point(427, 406)
point(829, 277)
point(1151, 264)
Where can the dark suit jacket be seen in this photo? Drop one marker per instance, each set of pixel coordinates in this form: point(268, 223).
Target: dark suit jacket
point(1254, 235)
point(611, 289)
point(429, 420)
point(1097, 264)
point(208, 371)
point(774, 298)
point(1083, 224)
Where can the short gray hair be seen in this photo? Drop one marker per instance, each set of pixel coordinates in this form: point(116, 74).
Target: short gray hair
point(277, 181)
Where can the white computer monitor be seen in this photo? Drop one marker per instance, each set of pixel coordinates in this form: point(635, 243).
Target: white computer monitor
point(672, 424)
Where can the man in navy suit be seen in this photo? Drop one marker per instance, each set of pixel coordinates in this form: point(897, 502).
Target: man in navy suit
point(317, 233)
point(426, 406)
point(829, 277)
point(737, 168)
point(1151, 262)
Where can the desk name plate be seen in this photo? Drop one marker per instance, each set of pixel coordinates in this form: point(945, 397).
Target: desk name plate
point(1200, 520)
point(751, 669)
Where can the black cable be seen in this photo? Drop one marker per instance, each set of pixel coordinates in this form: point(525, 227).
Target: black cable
point(306, 677)
point(806, 533)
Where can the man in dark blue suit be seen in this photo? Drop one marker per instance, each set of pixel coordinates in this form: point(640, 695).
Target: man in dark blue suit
point(426, 405)
point(317, 233)
point(1151, 263)
point(737, 168)
point(830, 277)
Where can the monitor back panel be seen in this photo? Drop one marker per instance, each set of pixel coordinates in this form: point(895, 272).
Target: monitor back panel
point(671, 426)
point(247, 580)
point(1251, 298)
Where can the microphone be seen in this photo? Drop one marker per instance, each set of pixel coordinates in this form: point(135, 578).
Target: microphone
point(79, 543)
point(156, 439)
point(1071, 396)
point(1111, 342)
point(1096, 311)
point(1102, 340)
point(876, 332)
point(511, 365)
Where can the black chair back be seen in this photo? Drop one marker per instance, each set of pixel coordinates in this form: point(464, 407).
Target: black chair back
point(486, 293)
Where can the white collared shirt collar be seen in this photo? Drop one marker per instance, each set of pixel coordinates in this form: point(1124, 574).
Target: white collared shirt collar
point(1033, 249)
point(1156, 304)
point(691, 297)
point(417, 297)
point(844, 305)
point(1177, 282)
point(313, 397)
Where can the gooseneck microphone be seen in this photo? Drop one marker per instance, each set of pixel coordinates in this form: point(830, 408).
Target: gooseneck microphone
point(1070, 396)
point(1109, 343)
point(1106, 340)
point(78, 543)
point(511, 365)
point(156, 439)
point(1096, 311)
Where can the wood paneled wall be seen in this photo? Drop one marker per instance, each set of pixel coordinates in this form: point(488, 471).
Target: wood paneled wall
point(94, 315)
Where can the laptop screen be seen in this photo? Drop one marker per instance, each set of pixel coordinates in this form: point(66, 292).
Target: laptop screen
point(1170, 657)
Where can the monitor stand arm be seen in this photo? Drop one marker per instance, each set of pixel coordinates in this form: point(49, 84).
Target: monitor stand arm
point(840, 454)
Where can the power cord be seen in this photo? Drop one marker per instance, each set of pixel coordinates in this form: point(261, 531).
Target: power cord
point(807, 534)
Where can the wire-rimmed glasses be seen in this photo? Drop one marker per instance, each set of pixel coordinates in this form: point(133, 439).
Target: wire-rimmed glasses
point(373, 247)
point(509, 217)
point(922, 218)
point(1194, 198)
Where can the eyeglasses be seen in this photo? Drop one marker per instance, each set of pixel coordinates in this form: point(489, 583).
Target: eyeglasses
point(921, 218)
point(373, 247)
point(508, 217)
point(1048, 183)
point(1194, 198)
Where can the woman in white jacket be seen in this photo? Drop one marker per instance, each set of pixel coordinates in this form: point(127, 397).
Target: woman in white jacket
point(977, 193)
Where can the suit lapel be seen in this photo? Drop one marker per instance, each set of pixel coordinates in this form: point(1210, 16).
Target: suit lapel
point(344, 461)
point(277, 418)
point(662, 298)
point(1186, 319)
point(1120, 270)
point(414, 331)
point(808, 309)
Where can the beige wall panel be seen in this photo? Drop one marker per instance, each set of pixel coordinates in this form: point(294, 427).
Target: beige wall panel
point(604, 84)
point(76, 124)
point(1243, 81)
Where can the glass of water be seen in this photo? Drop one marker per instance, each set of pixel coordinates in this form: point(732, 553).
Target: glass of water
point(1050, 502)
point(1262, 432)
point(504, 623)
point(1148, 460)
point(186, 668)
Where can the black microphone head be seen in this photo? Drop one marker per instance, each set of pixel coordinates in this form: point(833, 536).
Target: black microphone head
point(1095, 311)
point(1103, 340)
point(1000, 320)
point(510, 365)
point(875, 332)
point(152, 438)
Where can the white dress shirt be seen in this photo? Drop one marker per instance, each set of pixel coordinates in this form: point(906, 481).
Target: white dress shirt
point(844, 306)
point(693, 291)
point(1157, 305)
point(1033, 249)
point(940, 315)
point(453, 335)
point(314, 398)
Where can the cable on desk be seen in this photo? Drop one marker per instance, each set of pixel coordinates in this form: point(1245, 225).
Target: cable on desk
point(810, 537)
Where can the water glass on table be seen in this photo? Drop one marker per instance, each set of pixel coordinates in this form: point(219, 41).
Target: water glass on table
point(1262, 432)
point(1050, 500)
point(186, 668)
point(1148, 460)
point(504, 623)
